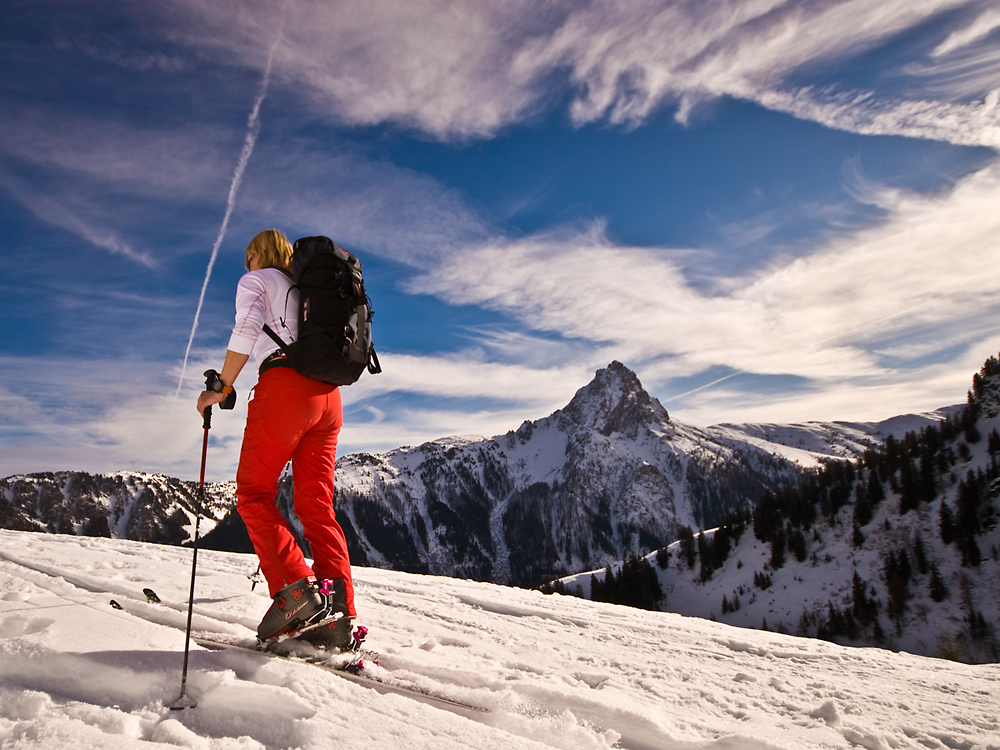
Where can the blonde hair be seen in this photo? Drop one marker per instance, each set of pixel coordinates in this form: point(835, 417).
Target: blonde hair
point(271, 248)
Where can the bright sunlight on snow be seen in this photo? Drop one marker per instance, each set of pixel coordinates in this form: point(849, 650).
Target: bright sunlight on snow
point(551, 671)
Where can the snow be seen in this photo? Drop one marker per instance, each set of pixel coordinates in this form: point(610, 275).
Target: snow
point(553, 671)
point(809, 444)
point(826, 575)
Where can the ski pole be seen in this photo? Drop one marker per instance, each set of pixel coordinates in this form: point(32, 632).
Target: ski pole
point(184, 701)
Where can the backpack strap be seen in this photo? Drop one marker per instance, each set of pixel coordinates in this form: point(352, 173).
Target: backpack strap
point(277, 340)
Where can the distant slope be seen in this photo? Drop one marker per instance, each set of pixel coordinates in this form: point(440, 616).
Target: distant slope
point(809, 443)
point(125, 505)
point(900, 550)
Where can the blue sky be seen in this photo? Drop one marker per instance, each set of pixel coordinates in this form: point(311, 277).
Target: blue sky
point(770, 210)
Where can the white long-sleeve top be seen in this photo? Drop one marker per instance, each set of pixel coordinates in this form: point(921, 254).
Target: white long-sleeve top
point(264, 296)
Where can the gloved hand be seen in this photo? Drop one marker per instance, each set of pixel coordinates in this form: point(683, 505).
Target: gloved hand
point(214, 383)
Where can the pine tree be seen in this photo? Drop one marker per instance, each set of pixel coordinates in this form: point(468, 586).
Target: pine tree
point(689, 550)
point(778, 549)
point(946, 523)
point(920, 555)
point(862, 504)
point(797, 544)
point(967, 521)
point(994, 442)
point(909, 485)
point(878, 635)
point(706, 553)
point(897, 572)
point(762, 580)
point(938, 588)
point(857, 538)
point(864, 608)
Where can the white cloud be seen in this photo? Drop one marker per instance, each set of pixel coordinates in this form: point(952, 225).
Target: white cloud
point(384, 208)
point(57, 212)
point(981, 27)
point(411, 427)
point(465, 376)
point(192, 158)
point(443, 67)
point(849, 398)
point(973, 124)
point(844, 311)
point(470, 69)
point(109, 415)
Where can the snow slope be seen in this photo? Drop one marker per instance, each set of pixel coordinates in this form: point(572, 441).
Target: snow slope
point(826, 574)
point(554, 671)
point(810, 443)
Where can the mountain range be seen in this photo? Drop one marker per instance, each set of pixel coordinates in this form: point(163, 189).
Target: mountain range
point(608, 476)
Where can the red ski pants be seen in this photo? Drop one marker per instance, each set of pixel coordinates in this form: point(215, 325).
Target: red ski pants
point(292, 416)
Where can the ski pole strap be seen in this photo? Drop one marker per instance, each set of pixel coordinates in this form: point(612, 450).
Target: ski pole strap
point(214, 383)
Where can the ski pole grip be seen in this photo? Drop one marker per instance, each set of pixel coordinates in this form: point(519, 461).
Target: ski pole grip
point(211, 378)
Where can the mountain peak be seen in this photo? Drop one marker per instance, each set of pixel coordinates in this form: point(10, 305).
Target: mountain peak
point(615, 401)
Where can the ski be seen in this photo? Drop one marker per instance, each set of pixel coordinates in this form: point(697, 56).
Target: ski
point(353, 669)
point(353, 665)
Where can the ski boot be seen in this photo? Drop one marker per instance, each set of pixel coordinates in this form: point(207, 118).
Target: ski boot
point(299, 605)
point(331, 636)
point(335, 633)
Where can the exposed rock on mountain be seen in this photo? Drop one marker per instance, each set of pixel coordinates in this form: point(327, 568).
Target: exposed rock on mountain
point(126, 505)
point(609, 475)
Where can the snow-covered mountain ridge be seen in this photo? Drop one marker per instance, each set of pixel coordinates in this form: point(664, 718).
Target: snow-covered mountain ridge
point(124, 505)
point(609, 475)
point(900, 549)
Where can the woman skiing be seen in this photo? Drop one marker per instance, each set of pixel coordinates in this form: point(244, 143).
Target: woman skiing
point(292, 417)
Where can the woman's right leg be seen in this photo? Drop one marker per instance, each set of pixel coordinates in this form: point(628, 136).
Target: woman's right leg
point(268, 442)
point(313, 467)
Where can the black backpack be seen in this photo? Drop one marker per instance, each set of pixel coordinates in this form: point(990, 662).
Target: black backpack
point(335, 334)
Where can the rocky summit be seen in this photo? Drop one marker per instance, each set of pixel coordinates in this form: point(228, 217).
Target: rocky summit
point(607, 476)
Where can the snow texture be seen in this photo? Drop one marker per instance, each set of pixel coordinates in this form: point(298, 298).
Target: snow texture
point(554, 671)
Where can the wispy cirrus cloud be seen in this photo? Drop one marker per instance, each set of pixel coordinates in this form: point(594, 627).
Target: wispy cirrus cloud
point(982, 26)
point(59, 212)
point(838, 313)
point(470, 70)
point(113, 154)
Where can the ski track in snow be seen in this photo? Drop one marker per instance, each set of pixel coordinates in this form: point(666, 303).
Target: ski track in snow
point(554, 671)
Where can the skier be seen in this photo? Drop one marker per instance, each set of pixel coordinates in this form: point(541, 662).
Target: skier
point(289, 416)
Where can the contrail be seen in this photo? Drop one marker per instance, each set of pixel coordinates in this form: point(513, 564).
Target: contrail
point(249, 141)
point(703, 387)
